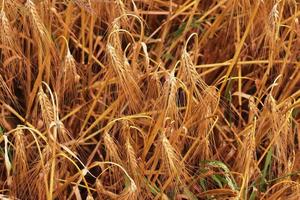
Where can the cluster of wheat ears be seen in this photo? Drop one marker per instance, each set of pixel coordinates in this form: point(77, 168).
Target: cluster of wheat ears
point(149, 99)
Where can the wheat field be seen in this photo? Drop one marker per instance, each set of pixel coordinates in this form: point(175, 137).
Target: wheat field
point(150, 99)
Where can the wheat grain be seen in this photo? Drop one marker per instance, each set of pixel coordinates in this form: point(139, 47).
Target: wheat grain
point(111, 148)
point(170, 158)
point(46, 107)
point(131, 157)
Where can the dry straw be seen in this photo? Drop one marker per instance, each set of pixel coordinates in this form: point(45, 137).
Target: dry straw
point(210, 95)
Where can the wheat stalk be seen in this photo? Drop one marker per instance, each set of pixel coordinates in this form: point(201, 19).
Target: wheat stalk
point(7, 161)
point(129, 192)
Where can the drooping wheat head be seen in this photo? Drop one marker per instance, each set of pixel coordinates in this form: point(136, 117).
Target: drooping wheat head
point(171, 159)
point(127, 81)
point(7, 38)
point(111, 148)
point(46, 108)
point(68, 78)
point(21, 163)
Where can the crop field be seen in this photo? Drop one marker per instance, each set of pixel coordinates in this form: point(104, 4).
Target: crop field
point(150, 99)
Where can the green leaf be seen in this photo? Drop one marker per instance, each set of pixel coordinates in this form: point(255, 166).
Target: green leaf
point(189, 194)
point(153, 188)
point(267, 164)
point(295, 112)
point(229, 178)
point(168, 56)
point(180, 30)
point(216, 178)
point(252, 196)
point(203, 183)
